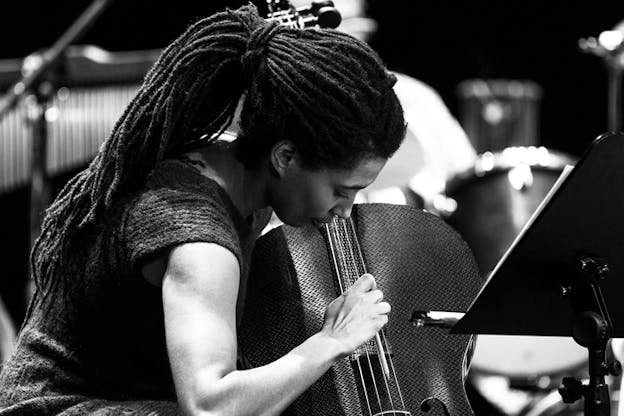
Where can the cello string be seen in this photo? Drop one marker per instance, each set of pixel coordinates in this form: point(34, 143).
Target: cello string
point(358, 249)
point(354, 242)
point(333, 240)
point(350, 238)
point(332, 250)
point(340, 241)
point(391, 361)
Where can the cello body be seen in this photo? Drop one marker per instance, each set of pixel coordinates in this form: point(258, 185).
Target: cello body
point(419, 263)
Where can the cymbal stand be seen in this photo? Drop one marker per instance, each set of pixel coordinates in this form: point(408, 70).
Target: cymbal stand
point(592, 330)
point(37, 84)
point(40, 73)
point(40, 190)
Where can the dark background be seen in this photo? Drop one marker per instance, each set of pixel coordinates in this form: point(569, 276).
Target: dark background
point(441, 43)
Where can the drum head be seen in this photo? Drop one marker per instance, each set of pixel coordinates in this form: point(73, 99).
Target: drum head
point(527, 357)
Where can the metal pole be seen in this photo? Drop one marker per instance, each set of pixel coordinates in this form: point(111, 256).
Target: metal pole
point(52, 55)
point(614, 73)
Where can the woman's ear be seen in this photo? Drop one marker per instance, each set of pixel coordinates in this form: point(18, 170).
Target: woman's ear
point(283, 155)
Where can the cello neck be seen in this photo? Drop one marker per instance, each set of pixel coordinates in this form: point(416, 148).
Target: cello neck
point(344, 251)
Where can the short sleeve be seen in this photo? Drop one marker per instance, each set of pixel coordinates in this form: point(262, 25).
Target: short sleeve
point(163, 217)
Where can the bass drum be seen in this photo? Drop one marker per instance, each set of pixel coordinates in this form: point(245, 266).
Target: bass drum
point(527, 362)
point(488, 205)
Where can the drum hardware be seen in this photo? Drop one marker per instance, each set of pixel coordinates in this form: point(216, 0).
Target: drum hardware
point(41, 71)
point(610, 47)
point(520, 177)
point(499, 113)
point(52, 55)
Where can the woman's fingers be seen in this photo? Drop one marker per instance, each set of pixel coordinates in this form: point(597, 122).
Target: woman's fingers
point(365, 283)
point(383, 308)
point(373, 296)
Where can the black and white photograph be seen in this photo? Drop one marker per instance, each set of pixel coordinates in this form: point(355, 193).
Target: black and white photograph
point(311, 208)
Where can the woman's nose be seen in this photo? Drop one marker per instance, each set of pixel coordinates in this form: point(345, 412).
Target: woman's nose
point(343, 210)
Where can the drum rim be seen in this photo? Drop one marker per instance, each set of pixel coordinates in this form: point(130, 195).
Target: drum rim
point(493, 163)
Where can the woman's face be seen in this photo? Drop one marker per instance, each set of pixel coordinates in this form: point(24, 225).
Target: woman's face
point(303, 196)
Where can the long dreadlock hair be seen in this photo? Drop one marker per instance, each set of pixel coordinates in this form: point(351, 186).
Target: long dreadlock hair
point(324, 90)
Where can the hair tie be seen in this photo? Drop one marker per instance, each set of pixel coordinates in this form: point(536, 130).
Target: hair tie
point(257, 43)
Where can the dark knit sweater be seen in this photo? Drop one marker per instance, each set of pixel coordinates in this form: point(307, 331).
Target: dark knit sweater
point(96, 345)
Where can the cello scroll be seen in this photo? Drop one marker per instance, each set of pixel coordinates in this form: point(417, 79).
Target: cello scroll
point(320, 13)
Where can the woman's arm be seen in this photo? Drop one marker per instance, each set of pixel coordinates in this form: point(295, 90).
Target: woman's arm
point(200, 289)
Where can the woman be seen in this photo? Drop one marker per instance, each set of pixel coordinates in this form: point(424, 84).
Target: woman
point(142, 262)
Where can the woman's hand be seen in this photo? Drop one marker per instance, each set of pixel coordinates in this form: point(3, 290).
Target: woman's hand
point(357, 315)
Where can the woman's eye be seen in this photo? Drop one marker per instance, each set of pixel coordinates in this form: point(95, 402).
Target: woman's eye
point(341, 194)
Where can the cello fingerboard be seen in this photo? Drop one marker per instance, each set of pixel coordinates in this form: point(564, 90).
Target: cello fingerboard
point(344, 251)
point(378, 390)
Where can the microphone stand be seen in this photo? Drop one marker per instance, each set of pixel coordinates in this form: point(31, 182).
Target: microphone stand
point(610, 47)
point(38, 85)
point(592, 330)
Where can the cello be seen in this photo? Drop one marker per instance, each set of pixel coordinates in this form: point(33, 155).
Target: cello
point(419, 262)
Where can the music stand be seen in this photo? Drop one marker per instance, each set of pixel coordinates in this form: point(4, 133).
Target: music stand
point(552, 280)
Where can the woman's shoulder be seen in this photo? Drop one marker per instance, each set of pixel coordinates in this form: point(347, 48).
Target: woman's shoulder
point(176, 205)
point(179, 173)
point(175, 189)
